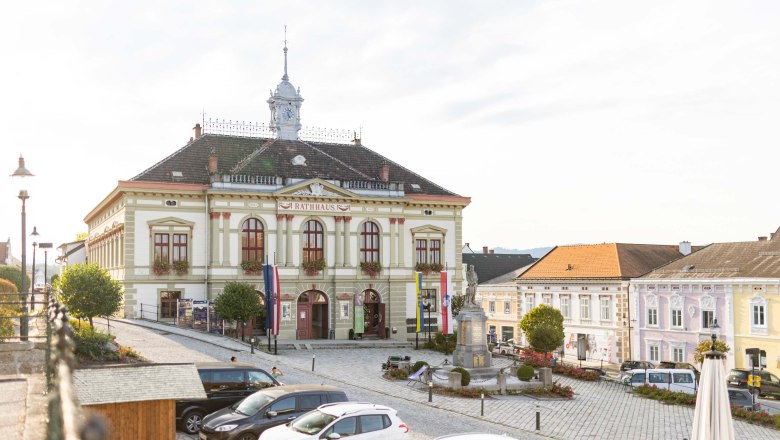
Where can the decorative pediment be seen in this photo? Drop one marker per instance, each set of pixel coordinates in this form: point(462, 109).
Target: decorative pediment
point(707, 302)
point(170, 222)
point(676, 301)
point(429, 229)
point(316, 188)
point(651, 300)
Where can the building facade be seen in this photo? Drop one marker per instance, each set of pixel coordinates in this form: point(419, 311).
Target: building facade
point(346, 226)
point(736, 283)
point(589, 284)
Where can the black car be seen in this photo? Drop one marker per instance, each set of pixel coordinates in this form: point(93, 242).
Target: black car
point(770, 384)
point(225, 383)
point(680, 366)
point(248, 418)
point(636, 365)
point(741, 398)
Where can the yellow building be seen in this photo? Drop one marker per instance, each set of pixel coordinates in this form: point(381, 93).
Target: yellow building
point(754, 305)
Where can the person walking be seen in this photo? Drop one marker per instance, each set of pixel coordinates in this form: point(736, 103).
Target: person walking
point(233, 359)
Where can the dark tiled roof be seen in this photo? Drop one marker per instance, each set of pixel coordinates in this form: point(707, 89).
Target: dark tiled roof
point(751, 259)
point(273, 157)
point(492, 266)
point(137, 383)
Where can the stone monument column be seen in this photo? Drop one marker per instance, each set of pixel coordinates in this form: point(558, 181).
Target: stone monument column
point(471, 351)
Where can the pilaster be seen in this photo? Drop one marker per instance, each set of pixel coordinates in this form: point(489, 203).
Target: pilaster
point(347, 232)
point(288, 243)
point(393, 258)
point(280, 238)
point(339, 242)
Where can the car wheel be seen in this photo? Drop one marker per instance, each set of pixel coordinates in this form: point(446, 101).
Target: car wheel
point(191, 421)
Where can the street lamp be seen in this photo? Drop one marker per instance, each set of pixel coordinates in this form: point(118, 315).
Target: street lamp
point(22, 172)
point(32, 295)
point(45, 247)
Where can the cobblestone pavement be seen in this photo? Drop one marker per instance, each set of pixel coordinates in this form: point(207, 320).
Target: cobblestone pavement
point(600, 410)
point(12, 408)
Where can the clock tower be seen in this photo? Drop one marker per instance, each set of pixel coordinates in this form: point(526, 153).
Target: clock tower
point(285, 104)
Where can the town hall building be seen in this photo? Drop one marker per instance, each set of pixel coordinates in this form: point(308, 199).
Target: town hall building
point(346, 226)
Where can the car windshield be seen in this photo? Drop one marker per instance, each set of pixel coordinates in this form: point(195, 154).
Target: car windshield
point(252, 404)
point(312, 422)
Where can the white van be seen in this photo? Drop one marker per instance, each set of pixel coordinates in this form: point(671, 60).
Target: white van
point(681, 380)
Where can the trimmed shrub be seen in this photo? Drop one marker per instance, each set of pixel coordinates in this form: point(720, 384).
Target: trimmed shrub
point(396, 374)
point(465, 376)
point(525, 373)
point(93, 345)
point(437, 344)
point(417, 365)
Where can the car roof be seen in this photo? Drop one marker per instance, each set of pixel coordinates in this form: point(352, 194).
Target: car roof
point(342, 408)
point(225, 366)
point(298, 388)
point(662, 370)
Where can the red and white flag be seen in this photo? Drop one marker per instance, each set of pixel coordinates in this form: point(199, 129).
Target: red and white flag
point(277, 294)
point(446, 303)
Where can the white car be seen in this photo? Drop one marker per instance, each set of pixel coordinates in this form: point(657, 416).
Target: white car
point(356, 420)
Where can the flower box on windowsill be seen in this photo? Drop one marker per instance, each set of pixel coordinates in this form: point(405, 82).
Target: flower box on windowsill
point(313, 267)
point(161, 267)
point(252, 267)
point(427, 268)
point(181, 267)
point(371, 269)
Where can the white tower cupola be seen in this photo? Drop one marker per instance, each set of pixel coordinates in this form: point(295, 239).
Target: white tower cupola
point(285, 104)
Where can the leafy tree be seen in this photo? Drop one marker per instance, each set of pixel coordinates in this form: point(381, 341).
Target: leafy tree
point(456, 304)
point(545, 339)
point(54, 278)
point(549, 321)
point(14, 275)
point(237, 302)
point(705, 346)
point(9, 306)
point(88, 291)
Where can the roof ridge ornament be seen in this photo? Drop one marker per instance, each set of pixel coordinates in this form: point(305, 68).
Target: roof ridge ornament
point(285, 77)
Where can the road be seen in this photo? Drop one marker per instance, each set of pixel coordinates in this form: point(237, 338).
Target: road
point(425, 422)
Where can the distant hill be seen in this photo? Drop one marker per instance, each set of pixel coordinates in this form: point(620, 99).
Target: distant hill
point(535, 252)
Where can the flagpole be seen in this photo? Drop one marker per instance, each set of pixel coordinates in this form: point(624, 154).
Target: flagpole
point(447, 331)
point(278, 298)
point(266, 273)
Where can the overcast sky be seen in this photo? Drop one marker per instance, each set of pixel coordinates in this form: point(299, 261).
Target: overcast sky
point(564, 121)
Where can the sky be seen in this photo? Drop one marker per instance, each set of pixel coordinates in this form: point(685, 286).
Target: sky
point(564, 121)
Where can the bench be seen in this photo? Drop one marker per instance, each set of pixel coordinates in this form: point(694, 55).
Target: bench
point(418, 376)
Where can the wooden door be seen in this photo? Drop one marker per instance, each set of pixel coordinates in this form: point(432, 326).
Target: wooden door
point(304, 320)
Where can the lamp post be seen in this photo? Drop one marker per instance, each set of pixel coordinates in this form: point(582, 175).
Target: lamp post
point(32, 295)
point(22, 172)
point(45, 247)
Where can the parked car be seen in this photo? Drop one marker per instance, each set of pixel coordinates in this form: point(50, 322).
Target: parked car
point(741, 398)
point(770, 384)
point(358, 421)
point(225, 383)
point(636, 365)
point(248, 418)
point(680, 380)
point(680, 365)
point(505, 348)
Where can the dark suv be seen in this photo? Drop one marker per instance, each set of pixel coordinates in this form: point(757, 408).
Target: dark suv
point(248, 418)
point(770, 384)
point(680, 366)
point(225, 383)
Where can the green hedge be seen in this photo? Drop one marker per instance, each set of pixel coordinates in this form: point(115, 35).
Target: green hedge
point(525, 373)
point(465, 376)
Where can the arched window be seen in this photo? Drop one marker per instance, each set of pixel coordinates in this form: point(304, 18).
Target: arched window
point(252, 240)
point(312, 241)
point(369, 242)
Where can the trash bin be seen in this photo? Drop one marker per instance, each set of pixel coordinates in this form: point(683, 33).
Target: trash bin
point(332, 334)
point(351, 334)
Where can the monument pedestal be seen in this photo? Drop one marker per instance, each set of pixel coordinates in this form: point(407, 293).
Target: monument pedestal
point(471, 351)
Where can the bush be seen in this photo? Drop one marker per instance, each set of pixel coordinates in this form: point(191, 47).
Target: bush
point(14, 275)
point(417, 365)
point(529, 356)
point(525, 373)
point(92, 344)
point(465, 376)
point(396, 374)
point(437, 343)
point(577, 373)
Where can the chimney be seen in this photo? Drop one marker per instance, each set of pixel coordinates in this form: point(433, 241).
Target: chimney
point(492, 251)
point(762, 238)
point(685, 247)
point(384, 172)
point(356, 139)
point(485, 250)
point(213, 164)
point(198, 131)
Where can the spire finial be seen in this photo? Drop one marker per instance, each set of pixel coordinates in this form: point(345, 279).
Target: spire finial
point(285, 77)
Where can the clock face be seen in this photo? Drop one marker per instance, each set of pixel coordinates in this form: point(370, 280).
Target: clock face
point(288, 113)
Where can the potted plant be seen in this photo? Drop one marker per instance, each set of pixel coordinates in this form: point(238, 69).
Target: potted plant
point(252, 267)
point(313, 267)
point(371, 268)
point(436, 267)
point(425, 268)
point(161, 267)
point(181, 267)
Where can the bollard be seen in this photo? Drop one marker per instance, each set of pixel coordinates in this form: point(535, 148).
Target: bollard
point(538, 419)
point(482, 409)
point(252, 345)
point(312, 361)
point(430, 391)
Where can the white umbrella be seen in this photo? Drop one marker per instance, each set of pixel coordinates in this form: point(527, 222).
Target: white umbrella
point(712, 418)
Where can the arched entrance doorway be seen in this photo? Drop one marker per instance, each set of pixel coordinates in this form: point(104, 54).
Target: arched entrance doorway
point(373, 315)
point(258, 322)
point(312, 315)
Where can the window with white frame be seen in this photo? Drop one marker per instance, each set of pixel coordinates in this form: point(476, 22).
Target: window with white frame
point(758, 315)
point(566, 306)
point(606, 308)
point(529, 303)
point(677, 317)
point(678, 354)
point(547, 299)
point(507, 306)
point(584, 307)
point(652, 316)
point(652, 350)
point(707, 317)
point(492, 306)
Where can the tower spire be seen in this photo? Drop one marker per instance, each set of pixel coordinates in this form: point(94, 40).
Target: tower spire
point(285, 77)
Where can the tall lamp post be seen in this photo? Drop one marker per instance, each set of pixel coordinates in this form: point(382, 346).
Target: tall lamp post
point(22, 172)
point(34, 235)
point(45, 247)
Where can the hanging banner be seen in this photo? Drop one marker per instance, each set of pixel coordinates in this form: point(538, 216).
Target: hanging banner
point(359, 325)
point(446, 303)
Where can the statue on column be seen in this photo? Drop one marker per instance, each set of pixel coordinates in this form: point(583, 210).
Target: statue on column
point(471, 290)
